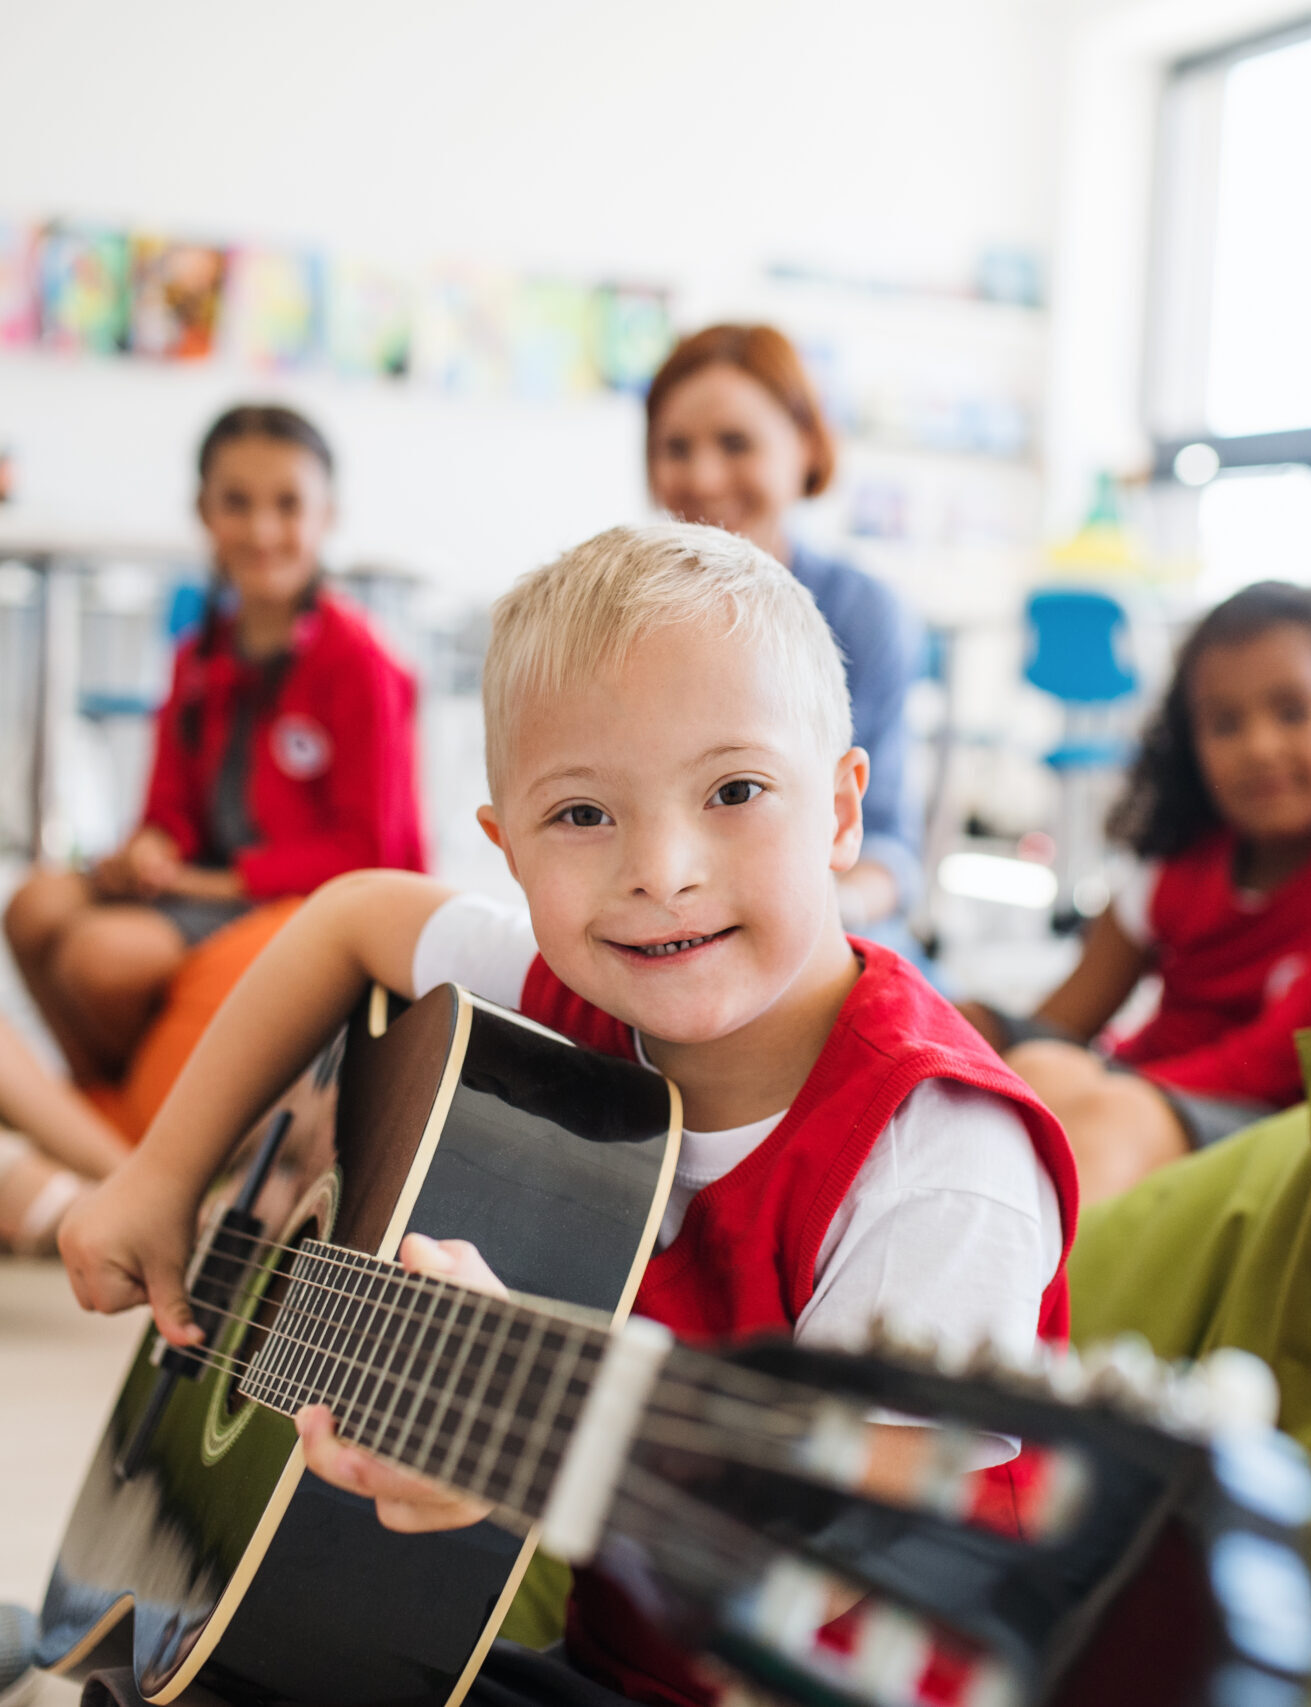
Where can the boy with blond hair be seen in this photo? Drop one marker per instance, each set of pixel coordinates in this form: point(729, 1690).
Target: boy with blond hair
point(674, 787)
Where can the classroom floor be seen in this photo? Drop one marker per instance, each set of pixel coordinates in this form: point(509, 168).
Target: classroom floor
point(59, 1370)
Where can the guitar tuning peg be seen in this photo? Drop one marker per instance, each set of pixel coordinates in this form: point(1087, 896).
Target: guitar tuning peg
point(1242, 1390)
point(953, 1356)
point(791, 1604)
point(892, 1652)
point(1187, 1402)
point(985, 1360)
point(1127, 1372)
point(899, 1338)
point(992, 1684)
point(1066, 1379)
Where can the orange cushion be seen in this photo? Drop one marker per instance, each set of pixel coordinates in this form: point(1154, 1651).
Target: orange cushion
point(195, 995)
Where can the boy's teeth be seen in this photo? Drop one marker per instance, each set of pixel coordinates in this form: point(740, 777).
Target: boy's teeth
point(672, 947)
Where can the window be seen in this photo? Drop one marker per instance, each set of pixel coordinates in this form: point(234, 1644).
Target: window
point(1229, 342)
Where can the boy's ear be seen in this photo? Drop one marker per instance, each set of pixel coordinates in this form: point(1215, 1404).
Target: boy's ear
point(849, 784)
point(492, 829)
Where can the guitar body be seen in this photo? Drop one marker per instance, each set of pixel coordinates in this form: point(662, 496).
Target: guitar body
point(221, 1562)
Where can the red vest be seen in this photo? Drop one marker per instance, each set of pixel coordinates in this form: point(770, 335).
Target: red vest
point(1225, 961)
point(332, 784)
point(744, 1258)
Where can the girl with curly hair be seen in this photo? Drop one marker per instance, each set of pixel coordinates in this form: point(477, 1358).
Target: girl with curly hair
point(1216, 813)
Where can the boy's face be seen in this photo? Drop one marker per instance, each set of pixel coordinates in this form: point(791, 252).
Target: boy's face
point(674, 829)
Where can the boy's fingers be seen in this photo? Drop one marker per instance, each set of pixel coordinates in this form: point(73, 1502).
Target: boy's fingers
point(409, 1517)
point(103, 1287)
point(405, 1502)
point(171, 1307)
point(450, 1259)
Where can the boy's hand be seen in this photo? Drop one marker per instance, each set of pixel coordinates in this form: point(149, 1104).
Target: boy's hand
point(128, 1242)
point(406, 1502)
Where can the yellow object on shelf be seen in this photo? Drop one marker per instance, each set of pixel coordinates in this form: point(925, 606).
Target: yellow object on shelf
point(1103, 545)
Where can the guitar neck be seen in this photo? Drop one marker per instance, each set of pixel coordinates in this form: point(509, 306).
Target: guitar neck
point(479, 1392)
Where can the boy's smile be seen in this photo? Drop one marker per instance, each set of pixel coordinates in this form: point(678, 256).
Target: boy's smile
point(675, 827)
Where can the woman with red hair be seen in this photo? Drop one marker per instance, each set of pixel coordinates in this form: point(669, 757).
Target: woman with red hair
point(736, 437)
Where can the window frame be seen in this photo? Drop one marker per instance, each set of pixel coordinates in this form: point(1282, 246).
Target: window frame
point(1169, 356)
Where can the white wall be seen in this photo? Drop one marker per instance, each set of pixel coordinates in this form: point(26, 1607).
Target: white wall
point(685, 141)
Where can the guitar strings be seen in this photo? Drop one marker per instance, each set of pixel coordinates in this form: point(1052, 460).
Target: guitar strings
point(759, 1391)
point(664, 1426)
point(665, 1418)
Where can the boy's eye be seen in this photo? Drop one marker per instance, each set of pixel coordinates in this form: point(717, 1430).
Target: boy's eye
point(584, 817)
point(735, 793)
point(735, 444)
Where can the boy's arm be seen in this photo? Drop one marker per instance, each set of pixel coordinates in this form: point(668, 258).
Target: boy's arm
point(129, 1242)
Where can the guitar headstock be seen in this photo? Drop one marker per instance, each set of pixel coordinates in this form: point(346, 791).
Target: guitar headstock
point(1148, 1545)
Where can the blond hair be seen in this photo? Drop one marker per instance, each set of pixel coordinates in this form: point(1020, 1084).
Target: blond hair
point(559, 625)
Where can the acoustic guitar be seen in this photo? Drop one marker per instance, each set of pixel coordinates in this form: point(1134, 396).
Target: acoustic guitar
point(1161, 1556)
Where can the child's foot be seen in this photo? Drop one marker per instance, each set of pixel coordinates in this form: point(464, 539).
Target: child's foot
point(34, 1195)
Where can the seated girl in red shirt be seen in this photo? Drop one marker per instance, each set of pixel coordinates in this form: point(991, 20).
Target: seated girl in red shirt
point(1218, 812)
point(285, 754)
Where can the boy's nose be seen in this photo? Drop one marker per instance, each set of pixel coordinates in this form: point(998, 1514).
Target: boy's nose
point(662, 867)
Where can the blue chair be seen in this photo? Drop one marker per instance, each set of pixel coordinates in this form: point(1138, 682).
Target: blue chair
point(1077, 650)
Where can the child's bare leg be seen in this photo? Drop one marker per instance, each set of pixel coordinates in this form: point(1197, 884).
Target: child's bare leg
point(49, 1112)
point(112, 965)
point(34, 1194)
point(38, 914)
point(1120, 1127)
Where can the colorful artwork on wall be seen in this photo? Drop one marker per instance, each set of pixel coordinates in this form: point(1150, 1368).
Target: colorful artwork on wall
point(369, 319)
point(462, 332)
point(552, 352)
point(82, 276)
point(274, 306)
point(633, 335)
point(18, 304)
point(177, 291)
point(466, 330)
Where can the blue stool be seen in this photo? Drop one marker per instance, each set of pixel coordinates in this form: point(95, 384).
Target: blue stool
point(1077, 651)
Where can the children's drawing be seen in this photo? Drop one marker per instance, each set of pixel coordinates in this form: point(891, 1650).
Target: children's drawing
point(633, 335)
point(462, 332)
point(369, 319)
point(275, 304)
point(18, 306)
point(83, 289)
point(552, 351)
point(177, 289)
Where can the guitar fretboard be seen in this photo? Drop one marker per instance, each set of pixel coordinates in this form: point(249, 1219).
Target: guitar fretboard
point(476, 1391)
